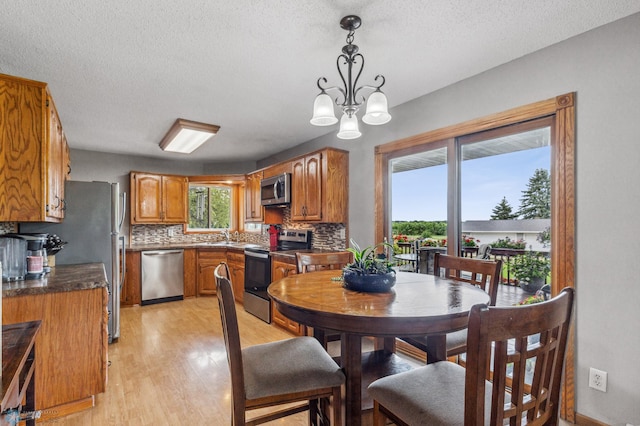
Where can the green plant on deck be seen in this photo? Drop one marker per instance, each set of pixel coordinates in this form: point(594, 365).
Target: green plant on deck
point(530, 265)
point(367, 262)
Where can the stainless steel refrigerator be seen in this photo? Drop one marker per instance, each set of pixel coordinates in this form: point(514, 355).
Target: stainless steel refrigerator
point(92, 224)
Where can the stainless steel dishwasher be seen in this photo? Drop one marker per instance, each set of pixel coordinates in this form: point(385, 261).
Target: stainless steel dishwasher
point(162, 276)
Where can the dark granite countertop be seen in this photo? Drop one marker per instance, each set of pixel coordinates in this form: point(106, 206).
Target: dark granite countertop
point(62, 278)
point(188, 245)
point(291, 254)
point(285, 254)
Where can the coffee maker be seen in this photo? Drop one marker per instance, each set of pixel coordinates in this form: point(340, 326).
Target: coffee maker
point(13, 255)
point(36, 255)
point(28, 256)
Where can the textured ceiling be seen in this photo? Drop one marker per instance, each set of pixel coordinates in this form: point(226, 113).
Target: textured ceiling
point(122, 71)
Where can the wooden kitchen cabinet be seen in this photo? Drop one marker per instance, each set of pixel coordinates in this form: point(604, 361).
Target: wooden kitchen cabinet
point(319, 187)
point(208, 260)
point(235, 260)
point(252, 203)
point(158, 198)
point(71, 347)
point(32, 153)
point(277, 169)
point(280, 269)
point(190, 258)
point(131, 293)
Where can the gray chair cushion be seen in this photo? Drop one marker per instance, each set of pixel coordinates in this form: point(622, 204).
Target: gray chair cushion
point(286, 366)
point(431, 395)
point(455, 339)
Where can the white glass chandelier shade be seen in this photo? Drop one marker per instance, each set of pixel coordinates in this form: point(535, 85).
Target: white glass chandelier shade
point(350, 64)
point(323, 114)
point(377, 112)
point(349, 127)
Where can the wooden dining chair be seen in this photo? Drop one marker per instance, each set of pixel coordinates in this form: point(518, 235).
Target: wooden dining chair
point(525, 348)
point(481, 273)
point(309, 262)
point(276, 373)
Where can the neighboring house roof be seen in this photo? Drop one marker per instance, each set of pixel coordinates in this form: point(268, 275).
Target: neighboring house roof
point(521, 225)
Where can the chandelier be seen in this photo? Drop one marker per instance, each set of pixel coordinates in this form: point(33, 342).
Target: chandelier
point(376, 112)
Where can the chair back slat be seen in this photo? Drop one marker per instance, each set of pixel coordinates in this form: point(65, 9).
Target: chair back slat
point(481, 273)
point(309, 262)
point(229, 319)
point(514, 338)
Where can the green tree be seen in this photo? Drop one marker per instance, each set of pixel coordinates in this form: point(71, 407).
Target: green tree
point(209, 207)
point(536, 199)
point(419, 227)
point(503, 211)
point(219, 202)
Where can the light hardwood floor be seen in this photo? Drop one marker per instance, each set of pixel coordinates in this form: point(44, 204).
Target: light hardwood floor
point(169, 367)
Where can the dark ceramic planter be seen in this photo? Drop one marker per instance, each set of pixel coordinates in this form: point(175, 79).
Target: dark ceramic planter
point(374, 283)
point(533, 286)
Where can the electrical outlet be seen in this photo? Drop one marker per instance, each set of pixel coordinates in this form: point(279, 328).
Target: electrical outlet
point(598, 379)
point(170, 232)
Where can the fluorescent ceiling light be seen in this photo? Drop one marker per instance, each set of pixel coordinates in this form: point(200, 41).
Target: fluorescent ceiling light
point(186, 136)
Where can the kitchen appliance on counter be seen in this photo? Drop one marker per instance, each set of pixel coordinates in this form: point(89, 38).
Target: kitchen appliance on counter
point(162, 276)
point(13, 257)
point(257, 270)
point(93, 220)
point(36, 255)
point(276, 190)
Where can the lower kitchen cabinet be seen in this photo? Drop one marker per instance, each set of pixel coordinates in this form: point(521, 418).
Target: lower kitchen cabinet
point(281, 268)
point(199, 265)
point(236, 272)
point(208, 260)
point(71, 361)
point(190, 267)
point(131, 293)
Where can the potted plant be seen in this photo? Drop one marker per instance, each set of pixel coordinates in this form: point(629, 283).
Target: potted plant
point(531, 270)
point(369, 272)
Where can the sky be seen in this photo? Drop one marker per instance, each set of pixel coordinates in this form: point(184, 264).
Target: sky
point(421, 194)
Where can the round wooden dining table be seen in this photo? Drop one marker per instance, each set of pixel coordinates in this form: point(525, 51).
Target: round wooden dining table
point(418, 304)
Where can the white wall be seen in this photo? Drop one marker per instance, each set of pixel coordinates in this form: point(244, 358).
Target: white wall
point(603, 67)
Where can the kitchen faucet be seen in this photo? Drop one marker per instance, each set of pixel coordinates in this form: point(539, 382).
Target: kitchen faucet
point(226, 235)
point(237, 234)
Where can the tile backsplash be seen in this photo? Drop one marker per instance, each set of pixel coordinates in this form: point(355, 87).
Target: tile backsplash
point(8, 227)
point(328, 236)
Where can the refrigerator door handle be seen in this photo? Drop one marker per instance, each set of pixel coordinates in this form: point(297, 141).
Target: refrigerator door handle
point(123, 212)
point(123, 260)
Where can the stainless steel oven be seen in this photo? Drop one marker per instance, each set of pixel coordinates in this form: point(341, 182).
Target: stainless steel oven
point(257, 270)
point(257, 277)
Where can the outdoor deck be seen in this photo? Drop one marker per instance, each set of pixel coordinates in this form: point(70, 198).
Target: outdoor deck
point(509, 295)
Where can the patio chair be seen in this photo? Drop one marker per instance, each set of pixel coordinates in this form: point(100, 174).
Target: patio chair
point(484, 250)
point(444, 393)
point(276, 373)
point(481, 273)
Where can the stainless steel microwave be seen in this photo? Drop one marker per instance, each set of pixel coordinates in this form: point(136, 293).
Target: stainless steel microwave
point(276, 190)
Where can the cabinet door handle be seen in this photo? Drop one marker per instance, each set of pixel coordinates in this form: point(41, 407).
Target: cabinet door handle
point(57, 202)
point(64, 205)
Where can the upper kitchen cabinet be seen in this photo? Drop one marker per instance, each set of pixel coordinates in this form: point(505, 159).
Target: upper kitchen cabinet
point(158, 198)
point(277, 169)
point(252, 203)
point(33, 153)
point(319, 187)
